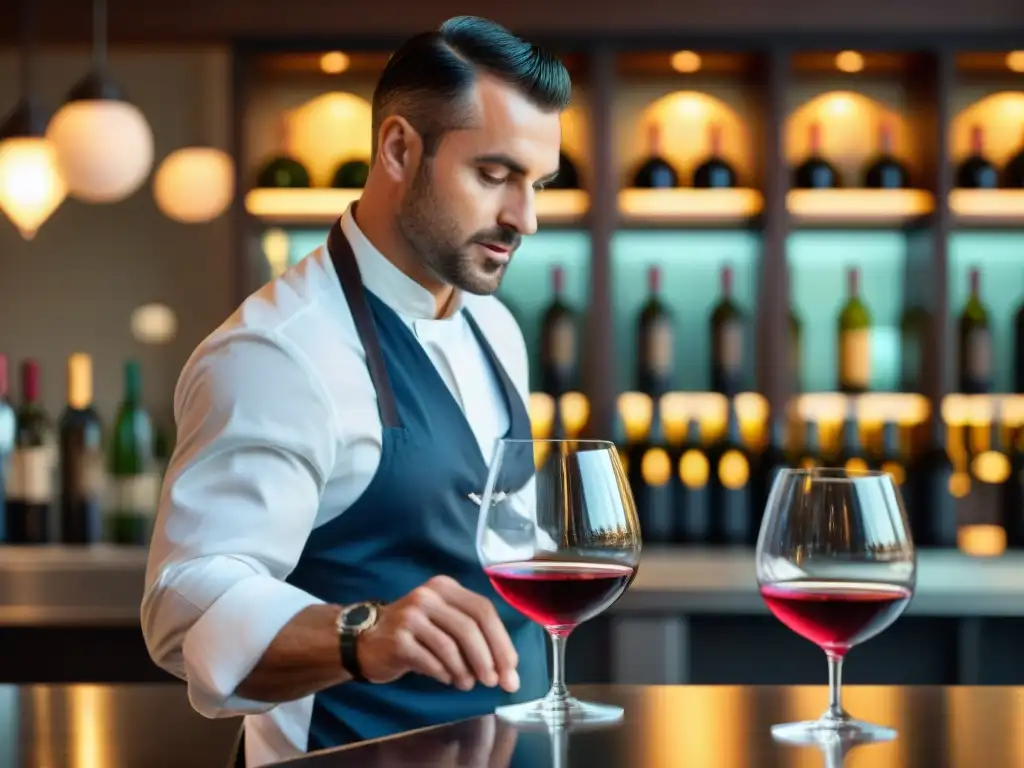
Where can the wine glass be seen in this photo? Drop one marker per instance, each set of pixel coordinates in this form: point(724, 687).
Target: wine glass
point(559, 539)
point(836, 564)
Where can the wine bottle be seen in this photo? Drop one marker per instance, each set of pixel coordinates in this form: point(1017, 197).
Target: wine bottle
point(714, 172)
point(559, 343)
point(933, 519)
point(893, 457)
point(815, 172)
point(32, 465)
point(810, 456)
point(854, 340)
point(730, 485)
point(976, 172)
point(568, 177)
point(772, 459)
point(975, 342)
point(692, 496)
point(796, 351)
point(1013, 501)
point(8, 428)
point(81, 458)
point(885, 171)
point(913, 327)
point(135, 483)
point(282, 171)
point(1018, 350)
point(652, 484)
point(655, 341)
point(351, 174)
point(852, 457)
point(728, 328)
point(655, 172)
point(1013, 171)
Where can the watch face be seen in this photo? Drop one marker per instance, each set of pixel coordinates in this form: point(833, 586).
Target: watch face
point(359, 616)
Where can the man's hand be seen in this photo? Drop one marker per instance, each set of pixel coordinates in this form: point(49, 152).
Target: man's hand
point(444, 631)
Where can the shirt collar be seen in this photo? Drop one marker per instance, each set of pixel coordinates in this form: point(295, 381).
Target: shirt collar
point(387, 282)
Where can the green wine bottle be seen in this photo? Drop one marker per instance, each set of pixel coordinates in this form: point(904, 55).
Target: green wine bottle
point(283, 171)
point(975, 343)
point(351, 174)
point(854, 340)
point(132, 466)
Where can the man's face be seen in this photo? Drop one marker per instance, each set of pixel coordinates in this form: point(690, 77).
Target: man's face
point(468, 207)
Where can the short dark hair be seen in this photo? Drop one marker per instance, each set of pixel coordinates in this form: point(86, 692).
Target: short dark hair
point(427, 78)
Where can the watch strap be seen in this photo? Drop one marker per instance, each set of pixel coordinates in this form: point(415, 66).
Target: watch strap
point(349, 657)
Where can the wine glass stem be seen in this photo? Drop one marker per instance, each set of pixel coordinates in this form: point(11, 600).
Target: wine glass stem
point(835, 688)
point(558, 690)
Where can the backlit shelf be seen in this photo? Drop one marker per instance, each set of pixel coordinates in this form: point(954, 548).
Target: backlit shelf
point(988, 207)
point(978, 409)
point(907, 409)
point(690, 207)
point(858, 207)
point(323, 206)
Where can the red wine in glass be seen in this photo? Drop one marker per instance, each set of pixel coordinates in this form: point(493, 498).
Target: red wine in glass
point(560, 595)
point(836, 615)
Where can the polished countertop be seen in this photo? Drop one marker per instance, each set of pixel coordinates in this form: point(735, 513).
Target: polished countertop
point(102, 585)
point(109, 726)
point(721, 727)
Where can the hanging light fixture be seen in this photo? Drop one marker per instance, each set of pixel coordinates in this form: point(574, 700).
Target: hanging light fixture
point(31, 184)
point(104, 143)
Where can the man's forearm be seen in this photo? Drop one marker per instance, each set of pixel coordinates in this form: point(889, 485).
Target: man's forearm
point(302, 659)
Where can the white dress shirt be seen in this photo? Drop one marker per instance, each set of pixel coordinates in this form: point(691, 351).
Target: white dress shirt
point(278, 433)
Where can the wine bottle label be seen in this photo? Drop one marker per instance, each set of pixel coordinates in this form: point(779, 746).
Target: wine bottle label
point(136, 494)
point(91, 474)
point(30, 474)
point(659, 342)
point(563, 344)
point(855, 357)
point(729, 346)
point(979, 354)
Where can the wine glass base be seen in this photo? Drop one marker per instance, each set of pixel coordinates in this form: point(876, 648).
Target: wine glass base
point(550, 711)
point(816, 732)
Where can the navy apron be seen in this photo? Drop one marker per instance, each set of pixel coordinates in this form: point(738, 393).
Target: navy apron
point(415, 520)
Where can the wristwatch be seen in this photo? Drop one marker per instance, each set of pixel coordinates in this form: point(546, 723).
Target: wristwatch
point(351, 623)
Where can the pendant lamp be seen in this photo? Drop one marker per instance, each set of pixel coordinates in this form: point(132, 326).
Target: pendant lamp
point(31, 184)
point(104, 143)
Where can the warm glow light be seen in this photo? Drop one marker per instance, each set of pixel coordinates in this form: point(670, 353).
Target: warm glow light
point(635, 412)
point(541, 408)
point(981, 540)
point(194, 184)
point(104, 147)
point(858, 205)
point(31, 184)
point(988, 204)
point(691, 205)
point(276, 245)
point(153, 323)
point(575, 409)
point(977, 410)
point(328, 130)
point(334, 62)
point(1015, 61)
point(849, 61)
point(686, 62)
point(90, 712)
point(904, 408)
point(991, 467)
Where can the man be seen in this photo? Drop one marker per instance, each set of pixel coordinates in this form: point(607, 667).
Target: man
point(313, 564)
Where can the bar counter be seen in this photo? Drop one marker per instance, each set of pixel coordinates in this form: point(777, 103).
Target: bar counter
point(720, 727)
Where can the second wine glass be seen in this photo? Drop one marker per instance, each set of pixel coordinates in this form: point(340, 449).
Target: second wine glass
point(559, 539)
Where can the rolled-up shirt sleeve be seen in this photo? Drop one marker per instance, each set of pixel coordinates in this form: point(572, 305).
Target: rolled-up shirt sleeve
point(255, 447)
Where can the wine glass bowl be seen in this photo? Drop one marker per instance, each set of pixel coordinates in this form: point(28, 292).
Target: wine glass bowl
point(836, 564)
point(558, 537)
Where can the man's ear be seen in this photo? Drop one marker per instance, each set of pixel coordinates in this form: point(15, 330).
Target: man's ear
point(399, 148)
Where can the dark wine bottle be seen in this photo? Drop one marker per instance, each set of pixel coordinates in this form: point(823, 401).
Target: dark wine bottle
point(893, 458)
point(728, 342)
point(132, 468)
point(568, 176)
point(351, 174)
point(652, 483)
point(655, 341)
point(1013, 171)
point(976, 172)
point(655, 172)
point(1013, 496)
point(772, 459)
point(933, 520)
point(282, 171)
point(8, 428)
point(885, 171)
point(559, 343)
point(810, 455)
point(714, 172)
point(81, 459)
point(692, 492)
point(854, 340)
point(795, 349)
point(913, 330)
point(32, 464)
point(975, 342)
point(852, 457)
point(730, 485)
point(815, 172)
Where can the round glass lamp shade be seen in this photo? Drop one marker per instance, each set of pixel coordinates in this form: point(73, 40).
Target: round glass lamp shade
point(194, 184)
point(105, 148)
point(31, 184)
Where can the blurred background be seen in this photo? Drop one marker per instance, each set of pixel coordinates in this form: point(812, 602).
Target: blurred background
point(785, 234)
